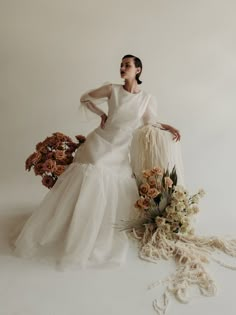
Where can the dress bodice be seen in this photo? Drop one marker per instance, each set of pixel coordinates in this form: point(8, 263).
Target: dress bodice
point(125, 109)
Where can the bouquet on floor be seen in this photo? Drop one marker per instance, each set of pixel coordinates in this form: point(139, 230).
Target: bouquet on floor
point(163, 206)
point(53, 156)
point(163, 228)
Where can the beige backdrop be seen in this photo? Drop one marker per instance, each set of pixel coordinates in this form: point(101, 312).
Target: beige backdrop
point(52, 51)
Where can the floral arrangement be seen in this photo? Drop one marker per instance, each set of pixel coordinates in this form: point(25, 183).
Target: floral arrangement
point(162, 227)
point(52, 157)
point(164, 205)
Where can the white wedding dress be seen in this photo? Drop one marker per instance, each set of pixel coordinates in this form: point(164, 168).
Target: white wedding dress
point(75, 222)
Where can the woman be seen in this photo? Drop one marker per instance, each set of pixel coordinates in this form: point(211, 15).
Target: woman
point(74, 223)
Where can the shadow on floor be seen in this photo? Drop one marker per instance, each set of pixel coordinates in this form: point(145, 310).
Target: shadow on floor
point(12, 220)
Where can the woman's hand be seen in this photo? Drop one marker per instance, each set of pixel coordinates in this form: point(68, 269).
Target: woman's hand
point(104, 118)
point(172, 130)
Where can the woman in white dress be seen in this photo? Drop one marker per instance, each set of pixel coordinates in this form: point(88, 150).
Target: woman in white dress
point(74, 223)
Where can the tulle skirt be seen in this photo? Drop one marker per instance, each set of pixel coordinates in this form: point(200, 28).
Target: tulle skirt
point(75, 222)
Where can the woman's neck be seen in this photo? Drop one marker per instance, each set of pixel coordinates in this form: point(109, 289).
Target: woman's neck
point(131, 86)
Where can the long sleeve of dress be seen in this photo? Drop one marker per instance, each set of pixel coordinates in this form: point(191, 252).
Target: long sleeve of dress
point(91, 101)
point(151, 115)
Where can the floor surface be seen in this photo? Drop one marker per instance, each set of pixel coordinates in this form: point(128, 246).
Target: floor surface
point(30, 288)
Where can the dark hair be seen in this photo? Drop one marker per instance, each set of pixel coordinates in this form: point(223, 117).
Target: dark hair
point(138, 63)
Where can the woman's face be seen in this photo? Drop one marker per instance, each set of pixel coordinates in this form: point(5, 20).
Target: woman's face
point(128, 69)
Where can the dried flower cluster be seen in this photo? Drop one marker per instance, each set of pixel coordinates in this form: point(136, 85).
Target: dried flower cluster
point(52, 156)
point(164, 205)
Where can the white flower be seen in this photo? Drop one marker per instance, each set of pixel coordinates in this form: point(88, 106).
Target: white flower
point(179, 188)
point(186, 192)
point(173, 202)
point(160, 221)
point(186, 202)
point(201, 192)
point(189, 210)
point(183, 229)
point(195, 209)
point(185, 221)
point(179, 216)
point(180, 206)
point(195, 199)
point(170, 209)
point(179, 195)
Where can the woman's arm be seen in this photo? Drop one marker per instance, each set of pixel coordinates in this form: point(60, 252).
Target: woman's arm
point(98, 95)
point(89, 99)
point(172, 130)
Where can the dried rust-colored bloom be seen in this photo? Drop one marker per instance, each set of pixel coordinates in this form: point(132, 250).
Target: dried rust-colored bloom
point(81, 138)
point(41, 147)
point(53, 155)
point(35, 157)
point(48, 181)
point(156, 171)
point(153, 193)
point(49, 166)
point(152, 181)
point(144, 188)
point(147, 173)
point(142, 203)
point(59, 169)
point(28, 164)
point(60, 155)
point(39, 169)
point(168, 181)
